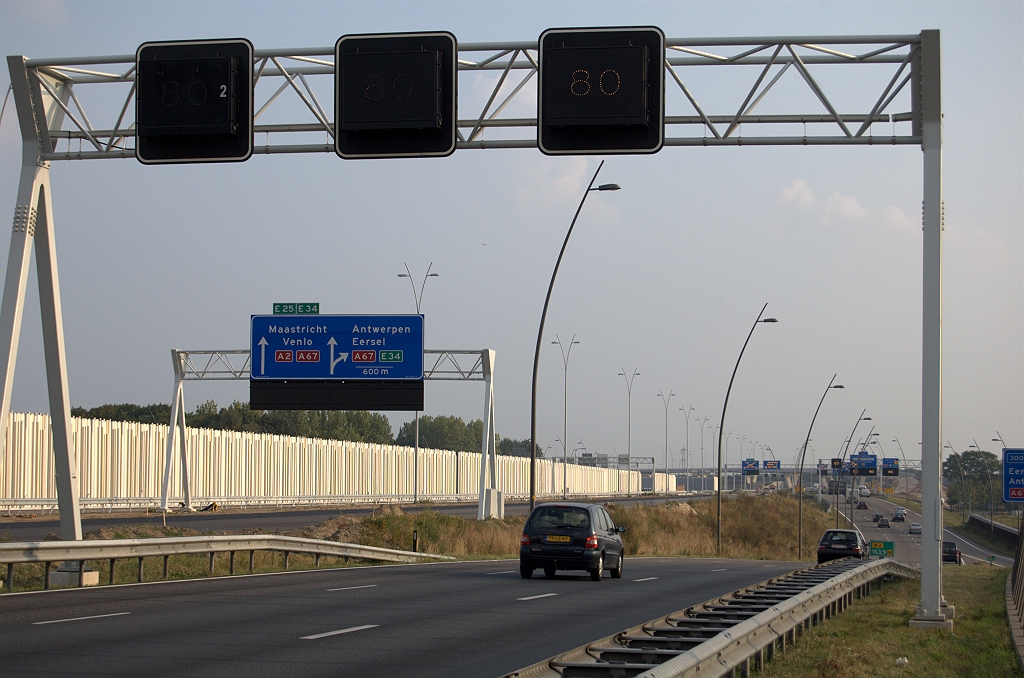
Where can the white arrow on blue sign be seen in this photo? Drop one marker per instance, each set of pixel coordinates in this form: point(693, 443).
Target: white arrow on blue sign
point(341, 347)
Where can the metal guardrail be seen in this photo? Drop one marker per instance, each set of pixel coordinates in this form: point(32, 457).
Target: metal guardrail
point(1006, 532)
point(118, 549)
point(727, 635)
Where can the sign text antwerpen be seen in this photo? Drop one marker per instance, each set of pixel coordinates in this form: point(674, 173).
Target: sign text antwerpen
point(337, 347)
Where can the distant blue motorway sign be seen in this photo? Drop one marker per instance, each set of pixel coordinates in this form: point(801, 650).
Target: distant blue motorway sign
point(750, 467)
point(1013, 474)
point(337, 347)
point(772, 465)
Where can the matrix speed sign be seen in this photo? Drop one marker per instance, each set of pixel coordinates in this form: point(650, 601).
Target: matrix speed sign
point(602, 90)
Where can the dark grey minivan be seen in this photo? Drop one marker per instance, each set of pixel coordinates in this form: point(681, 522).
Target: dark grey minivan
point(571, 536)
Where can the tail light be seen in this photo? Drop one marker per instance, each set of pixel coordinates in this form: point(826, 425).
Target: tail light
point(822, 547)
point(524, 540)
point(856, 549)
point(591, 542)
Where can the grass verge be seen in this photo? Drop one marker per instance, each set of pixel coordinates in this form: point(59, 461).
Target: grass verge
point(752, 528)
point(869, 638)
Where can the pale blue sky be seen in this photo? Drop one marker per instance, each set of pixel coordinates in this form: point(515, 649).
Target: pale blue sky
point(665, 275)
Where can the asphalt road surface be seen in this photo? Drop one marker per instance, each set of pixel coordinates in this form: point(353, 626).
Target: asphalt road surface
point(281, 520)
point(447, 620)
point(908, 546)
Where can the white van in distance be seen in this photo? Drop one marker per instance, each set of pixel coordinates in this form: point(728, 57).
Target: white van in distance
point(864, 491)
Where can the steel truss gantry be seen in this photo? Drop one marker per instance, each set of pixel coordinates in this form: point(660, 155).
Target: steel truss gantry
point(791, 91)
point(234, 365)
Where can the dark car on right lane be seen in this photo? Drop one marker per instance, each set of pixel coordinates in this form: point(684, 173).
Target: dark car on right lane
point(571, 536)
point(951, 553)
point(837, 544)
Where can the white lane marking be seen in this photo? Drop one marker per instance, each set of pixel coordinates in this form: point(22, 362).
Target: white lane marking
point(502, 572)
point(94, 616)
point(340, 631)
point(543, 595)
point(646, 579)
point(349, 588)
point(721, 570)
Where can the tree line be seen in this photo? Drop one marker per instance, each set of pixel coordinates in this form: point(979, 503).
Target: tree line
point(972, 478)
point(440, 432)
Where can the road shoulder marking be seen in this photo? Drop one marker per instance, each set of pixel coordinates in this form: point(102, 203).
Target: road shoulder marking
point(71, 619)
point(340, 631)
point(542, 595)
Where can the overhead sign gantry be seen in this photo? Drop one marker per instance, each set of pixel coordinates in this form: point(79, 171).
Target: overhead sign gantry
point(54, 127)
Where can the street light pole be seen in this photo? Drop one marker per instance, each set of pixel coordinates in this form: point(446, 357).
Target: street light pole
point(702, 452)
point(687, 445)
point(419, 300)
point(540, 334)
point(721, 423)
point(800, 481)
point(565, 410)
point(665, 400)
point(843, 457)
point(991, 498)
point(629, 427)
point(896, 440)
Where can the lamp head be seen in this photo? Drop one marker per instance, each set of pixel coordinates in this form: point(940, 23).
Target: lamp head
point(770, 320)
point(403, 275)
point(865, 418)
point(609, 187)
point(838, 386)
point(433, 275)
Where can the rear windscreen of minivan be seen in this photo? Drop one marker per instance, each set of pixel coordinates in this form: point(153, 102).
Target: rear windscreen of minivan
point(556, 517)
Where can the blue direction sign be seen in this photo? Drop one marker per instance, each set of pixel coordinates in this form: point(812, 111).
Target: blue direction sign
point(1013, 474)
point(890, 466)
point(337, 347)
point(772, 465)
point(750, 467)
point(864, 465)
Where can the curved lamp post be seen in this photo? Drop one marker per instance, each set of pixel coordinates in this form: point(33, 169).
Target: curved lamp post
point(800, 478)
point(629, 426)
point(661, 394)
point(687, 445)
point(991, 496)
point(722, 422)
point(419, 300)
point(843, 457)
point(963, 482)
point(565, 409)
point(702, 452)
point(540, 335)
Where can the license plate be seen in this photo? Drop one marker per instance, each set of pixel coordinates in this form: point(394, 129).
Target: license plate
point(558, 539)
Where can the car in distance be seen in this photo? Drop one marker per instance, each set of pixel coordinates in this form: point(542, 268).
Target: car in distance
point(883, 522)
point(915, 528)
point(951, 553)
point(571, 536)
point(837, 544)
point(863, 505)
point(878, 516)
point(864, 491)
point(899, 517)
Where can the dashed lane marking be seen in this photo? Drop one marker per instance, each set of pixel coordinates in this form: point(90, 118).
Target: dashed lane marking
point(340, 631)
point(502, 572)
point(71, 619)
point(543, 595)
point(720, 570)
point(646, 579)
point(350, 588)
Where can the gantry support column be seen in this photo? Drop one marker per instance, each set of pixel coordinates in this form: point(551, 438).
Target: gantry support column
point(931, 613)
point(33, 223)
